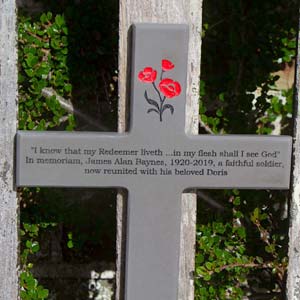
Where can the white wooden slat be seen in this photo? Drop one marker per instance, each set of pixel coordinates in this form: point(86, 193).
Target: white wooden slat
point(293, 278)
point(8, 112)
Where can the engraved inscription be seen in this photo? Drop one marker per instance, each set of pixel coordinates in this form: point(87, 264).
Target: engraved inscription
point(148, 161)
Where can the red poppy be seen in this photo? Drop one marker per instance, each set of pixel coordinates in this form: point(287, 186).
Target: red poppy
point(148, 75)
point(167, 65)
point(170, 88)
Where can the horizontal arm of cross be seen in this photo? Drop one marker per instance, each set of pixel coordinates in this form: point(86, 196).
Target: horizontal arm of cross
point(119, 160)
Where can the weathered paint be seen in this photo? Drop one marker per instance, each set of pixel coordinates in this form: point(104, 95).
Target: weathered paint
point(8, 111)
point(293, 278)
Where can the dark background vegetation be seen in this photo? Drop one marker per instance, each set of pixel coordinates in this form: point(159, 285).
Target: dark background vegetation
point(242, 242)
point(241, 235)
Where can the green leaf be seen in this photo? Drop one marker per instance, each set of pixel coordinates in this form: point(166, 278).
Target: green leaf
point(241, 232)
point(202, 109)
point(209, 265)
point(28, 244)
point(43, 18)
point(31, 60)
point(35, 247)
point(31, 125)
point(255, 214)
point(70, 244)
point(43, 293)
point(237, 201)
point(259, 259)
point(222, 97)
point(49, 15)
point(219, 113)
point(207, 277)
point(204, 119)
point(59, 20)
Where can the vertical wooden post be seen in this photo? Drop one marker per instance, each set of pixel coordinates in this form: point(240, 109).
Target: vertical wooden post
point(293, 279)
point(163, 11)
point(8, 113)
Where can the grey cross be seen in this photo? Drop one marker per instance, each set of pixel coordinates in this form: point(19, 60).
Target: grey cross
point(156, 161)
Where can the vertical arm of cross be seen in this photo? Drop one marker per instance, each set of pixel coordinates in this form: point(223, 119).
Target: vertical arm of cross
point(158, 79)
point(153, 243)
point(158, 91)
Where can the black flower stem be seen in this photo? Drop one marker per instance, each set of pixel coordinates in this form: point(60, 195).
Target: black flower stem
point(162, 100)
point(153, 83)
point(161, 109)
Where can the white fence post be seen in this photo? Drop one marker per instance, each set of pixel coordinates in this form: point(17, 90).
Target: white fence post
point(9, 288)
point(163, 11)
point(293, 279)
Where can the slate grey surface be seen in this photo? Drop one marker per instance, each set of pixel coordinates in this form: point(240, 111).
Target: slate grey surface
point(156, 161)
point(260, 161)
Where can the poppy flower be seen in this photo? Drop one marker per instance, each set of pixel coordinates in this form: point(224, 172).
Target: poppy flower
point(167, 65)
point(170, 88)
point(148, 75)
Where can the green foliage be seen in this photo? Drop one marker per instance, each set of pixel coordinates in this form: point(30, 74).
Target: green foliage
point(30, 288)
point(221, 261)
point(92, 55)
point(43, 50)
point(228, 255)
point(242, 248)
point(280, 107)
point(243, 44)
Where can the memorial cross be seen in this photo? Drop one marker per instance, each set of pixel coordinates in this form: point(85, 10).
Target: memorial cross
point(156, 161)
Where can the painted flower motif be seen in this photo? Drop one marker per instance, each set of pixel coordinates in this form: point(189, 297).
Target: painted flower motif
point(170, 88)
point(167, 65)
point(148, 75)
point(165, 88)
